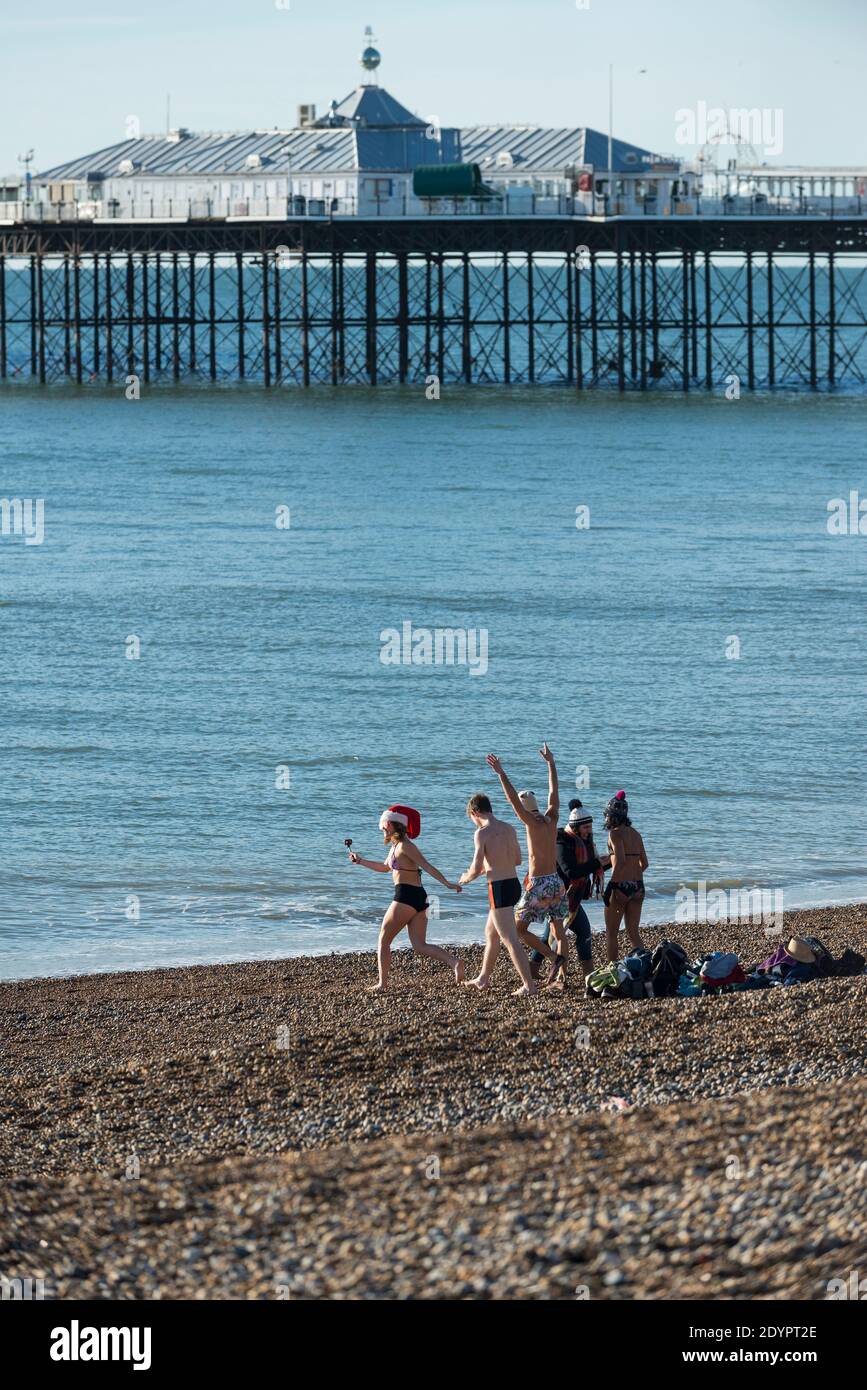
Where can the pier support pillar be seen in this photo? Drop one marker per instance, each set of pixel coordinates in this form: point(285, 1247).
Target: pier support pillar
point(370, 317)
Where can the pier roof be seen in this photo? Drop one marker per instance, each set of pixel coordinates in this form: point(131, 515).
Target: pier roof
point(541, 147)
point(370, 106)
point(320, 148)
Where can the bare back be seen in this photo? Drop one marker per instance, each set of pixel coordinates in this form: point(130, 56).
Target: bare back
point(501, 849)
point(629, 857)
point(542, 845)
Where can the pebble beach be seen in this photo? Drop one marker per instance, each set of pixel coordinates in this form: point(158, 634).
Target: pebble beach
point(271, 1130)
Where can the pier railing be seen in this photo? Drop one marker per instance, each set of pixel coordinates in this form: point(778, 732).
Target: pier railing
point(517, 203)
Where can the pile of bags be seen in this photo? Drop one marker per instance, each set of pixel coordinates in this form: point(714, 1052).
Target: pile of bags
point(667, 971)
point(641, 975)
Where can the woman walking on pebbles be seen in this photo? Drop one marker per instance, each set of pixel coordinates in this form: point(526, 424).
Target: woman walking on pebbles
point(405, 861)
point(624, 895)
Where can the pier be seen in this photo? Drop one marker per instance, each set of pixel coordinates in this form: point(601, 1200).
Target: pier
point(626, 303)
point(369, 246)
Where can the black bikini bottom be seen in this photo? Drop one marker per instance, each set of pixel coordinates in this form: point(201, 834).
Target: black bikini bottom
point(629, 889)
point(412, 894)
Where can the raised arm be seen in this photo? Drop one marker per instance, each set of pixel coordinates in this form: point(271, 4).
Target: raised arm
point(478, 865)
point(553, 785)
point(511, 795)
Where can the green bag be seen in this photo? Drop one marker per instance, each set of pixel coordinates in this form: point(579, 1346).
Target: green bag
point(604, 978)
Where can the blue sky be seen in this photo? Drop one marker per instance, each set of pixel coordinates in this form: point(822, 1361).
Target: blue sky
point(72, 73)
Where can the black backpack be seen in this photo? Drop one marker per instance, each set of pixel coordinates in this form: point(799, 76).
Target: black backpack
point(667, 964)
point(824, 959)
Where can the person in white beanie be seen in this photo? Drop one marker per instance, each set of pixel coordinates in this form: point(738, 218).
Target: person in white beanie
point(544, 897)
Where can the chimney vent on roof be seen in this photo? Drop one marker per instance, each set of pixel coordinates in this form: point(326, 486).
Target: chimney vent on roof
point(306, 114)
point(174, 137)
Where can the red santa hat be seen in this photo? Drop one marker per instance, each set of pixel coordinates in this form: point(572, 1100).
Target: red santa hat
point(403, 815)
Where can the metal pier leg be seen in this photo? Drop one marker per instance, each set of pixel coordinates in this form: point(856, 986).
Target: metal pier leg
point(621, 377)
point(441, 323)
point(239, 269)
point(212, 318)
point(642, 276)
point(341, 332)
point(684, 364)
point(428, 310)
point(772, 364)
point(708, 324)
point(466, 344)
point(751, 328)
point(3, 366)
point(813, 374)
point(402, 319)
point(158, 312)
point(96, 314)
point(278, 324)
point(579, 345)
point(507, 327)
point(145, 319)
point(594, 324)
point(266, 321)
point(693, 292)
point(305, 319)
point(40, 290)
point(192, 318)
point(67, 316)
point(633, 322)
point(334, 317)
point(370, 316)
point(176, 324)
point(109, 320)
point(832, 322)
point(34, 317)
point(570, 320)
point(654, 310)
point(531, 321)
point(130, 316)
point(76, 309)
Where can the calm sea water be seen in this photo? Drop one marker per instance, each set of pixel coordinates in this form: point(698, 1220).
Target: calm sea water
point(141, 819)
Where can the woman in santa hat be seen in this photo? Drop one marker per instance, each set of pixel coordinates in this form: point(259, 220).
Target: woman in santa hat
point(400, 825)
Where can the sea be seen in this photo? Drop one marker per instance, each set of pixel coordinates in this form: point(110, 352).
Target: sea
point(237, 625)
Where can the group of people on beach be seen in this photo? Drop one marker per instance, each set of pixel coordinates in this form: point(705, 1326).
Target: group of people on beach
point(563, 871)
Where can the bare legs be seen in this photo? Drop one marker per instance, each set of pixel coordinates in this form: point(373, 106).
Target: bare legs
point(500, 929)
point(619, 907)
point(398, 916)
point(422, 947)
point(491, 955)
point(534, 943)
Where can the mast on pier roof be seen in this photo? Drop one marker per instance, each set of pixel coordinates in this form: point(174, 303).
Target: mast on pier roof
point(370, 58)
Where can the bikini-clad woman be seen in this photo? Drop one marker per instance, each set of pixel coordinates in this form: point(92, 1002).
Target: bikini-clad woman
point(408, 908)
point(624, 896)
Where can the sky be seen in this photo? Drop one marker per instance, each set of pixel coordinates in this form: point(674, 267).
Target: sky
point(74, 74)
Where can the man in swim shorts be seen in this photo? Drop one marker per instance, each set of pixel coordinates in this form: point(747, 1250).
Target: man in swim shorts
point(543, 897)
point(496, 854)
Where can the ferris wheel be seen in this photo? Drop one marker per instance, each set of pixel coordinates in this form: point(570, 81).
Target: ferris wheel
point(722, 156)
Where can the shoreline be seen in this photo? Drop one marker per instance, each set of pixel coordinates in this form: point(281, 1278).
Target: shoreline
point(225, 1130)
point(667, 927)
